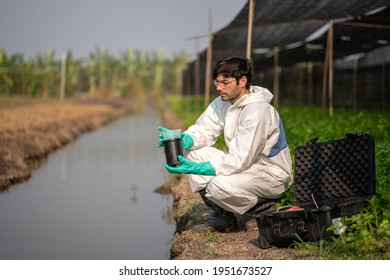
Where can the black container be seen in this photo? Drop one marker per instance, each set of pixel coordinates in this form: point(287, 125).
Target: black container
point(333, 180)
point(282, 228)
point(173, 149)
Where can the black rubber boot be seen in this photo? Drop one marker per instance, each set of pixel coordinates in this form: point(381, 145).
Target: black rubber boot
point(221, 219)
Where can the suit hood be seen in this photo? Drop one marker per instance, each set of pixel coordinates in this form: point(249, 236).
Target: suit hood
point(256, 94)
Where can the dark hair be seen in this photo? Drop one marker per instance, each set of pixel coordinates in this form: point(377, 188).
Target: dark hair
point(234, 67)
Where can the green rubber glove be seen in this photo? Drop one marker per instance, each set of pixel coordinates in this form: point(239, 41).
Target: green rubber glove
point(160, 137)
point(186, 140)
point(190, 167)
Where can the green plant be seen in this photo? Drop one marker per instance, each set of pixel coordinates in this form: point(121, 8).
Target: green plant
point(210, 236)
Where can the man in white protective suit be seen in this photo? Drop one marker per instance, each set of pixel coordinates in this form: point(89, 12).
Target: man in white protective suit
point(257, 168)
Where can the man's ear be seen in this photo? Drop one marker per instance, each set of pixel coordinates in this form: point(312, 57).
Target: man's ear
point(243, 81)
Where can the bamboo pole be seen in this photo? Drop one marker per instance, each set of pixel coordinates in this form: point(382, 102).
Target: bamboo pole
point(354, 84)
point(63, 77)
point(330, 57)
point(308, 21)
point(276, 77)
point(310, 82)
point(196, 76)
point(325, 76)
point(384, 81)
point(363, 24)
point(208, 63)
point(250, 27)
point(187, 84)
point(196, 69)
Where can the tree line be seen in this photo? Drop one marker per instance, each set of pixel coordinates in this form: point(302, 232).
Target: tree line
point(132, 73)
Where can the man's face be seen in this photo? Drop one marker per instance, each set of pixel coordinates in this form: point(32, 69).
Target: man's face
point(228, 88)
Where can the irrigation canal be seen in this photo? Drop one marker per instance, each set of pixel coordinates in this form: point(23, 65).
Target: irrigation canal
point(93, 199)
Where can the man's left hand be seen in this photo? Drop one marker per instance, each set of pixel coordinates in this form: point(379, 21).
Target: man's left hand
point(190, 167)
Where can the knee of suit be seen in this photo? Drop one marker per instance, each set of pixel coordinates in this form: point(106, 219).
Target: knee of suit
point(215, 192)
point(230, 198)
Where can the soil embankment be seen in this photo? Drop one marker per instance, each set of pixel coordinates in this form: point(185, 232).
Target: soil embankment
point(31, 129)
point(189, 244)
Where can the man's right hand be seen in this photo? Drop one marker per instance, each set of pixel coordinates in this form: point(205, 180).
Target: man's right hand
point(186, 140)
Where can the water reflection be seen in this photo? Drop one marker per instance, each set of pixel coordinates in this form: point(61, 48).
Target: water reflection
point(167, 214)
point(93, 199)
point(133, 197)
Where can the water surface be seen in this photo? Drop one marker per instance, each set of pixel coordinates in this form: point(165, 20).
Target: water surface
point(93, 199)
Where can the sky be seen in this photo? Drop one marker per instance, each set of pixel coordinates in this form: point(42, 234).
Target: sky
point(80, 26)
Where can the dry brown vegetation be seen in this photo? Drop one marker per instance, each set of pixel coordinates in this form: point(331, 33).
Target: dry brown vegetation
point(31, 129)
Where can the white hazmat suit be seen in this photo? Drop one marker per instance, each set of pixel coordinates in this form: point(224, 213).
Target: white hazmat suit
point(258, 163)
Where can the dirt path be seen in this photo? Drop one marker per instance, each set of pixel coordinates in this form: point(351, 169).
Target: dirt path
point(189, 244)
point(31, 129)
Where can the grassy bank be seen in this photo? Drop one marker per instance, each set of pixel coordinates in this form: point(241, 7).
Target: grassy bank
point(368, 234)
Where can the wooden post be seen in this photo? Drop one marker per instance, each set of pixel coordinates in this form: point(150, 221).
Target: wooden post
point(276, 77)
point(187, 84)
point(310, 82)
point(250, 26)
point(354, 84)
point(208, 63)
point(63, 77)
point(384, 81)
point(330, 57)
point(196, 69)
point(196, 76)
point(325, 77)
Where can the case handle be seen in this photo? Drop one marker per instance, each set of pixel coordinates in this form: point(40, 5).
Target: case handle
point(354, 135)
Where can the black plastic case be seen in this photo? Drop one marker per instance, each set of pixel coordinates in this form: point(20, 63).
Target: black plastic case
point(333, 179)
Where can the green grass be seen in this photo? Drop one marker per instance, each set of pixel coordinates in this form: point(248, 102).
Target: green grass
point(368, 233)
